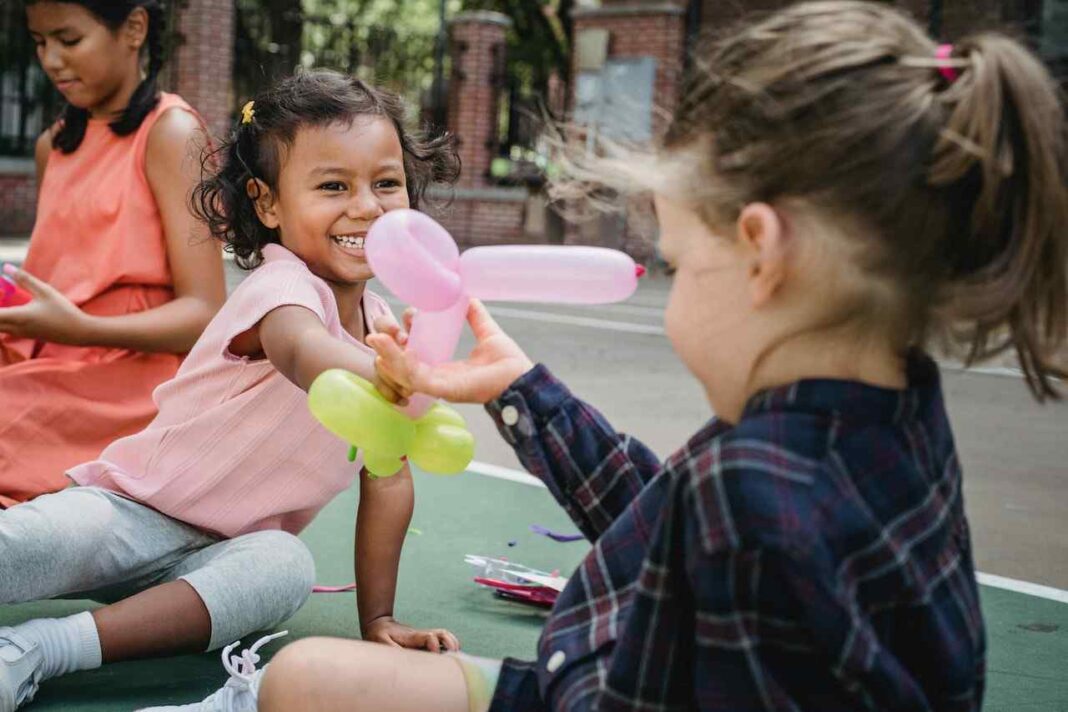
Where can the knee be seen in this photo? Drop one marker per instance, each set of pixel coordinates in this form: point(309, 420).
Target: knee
point(292, 570)
point(293, 677)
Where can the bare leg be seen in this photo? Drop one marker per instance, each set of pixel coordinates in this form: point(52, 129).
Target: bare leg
point(168, 619)
point(328, 674)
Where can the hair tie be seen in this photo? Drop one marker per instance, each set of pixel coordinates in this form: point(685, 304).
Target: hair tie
point(248, 113)
point(944, 54)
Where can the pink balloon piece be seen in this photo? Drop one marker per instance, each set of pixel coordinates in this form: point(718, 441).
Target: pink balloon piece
point(417, 260)
point(542, 273)
point(334, 589)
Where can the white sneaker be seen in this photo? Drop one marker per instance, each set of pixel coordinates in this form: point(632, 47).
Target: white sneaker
point(240, 691)
point(20, 670)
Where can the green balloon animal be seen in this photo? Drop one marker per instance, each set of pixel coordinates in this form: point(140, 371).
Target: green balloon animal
point(351, 408)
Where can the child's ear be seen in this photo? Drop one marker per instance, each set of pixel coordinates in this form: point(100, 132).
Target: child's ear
point(763, 236)
point(263, 200)
point(136, 27)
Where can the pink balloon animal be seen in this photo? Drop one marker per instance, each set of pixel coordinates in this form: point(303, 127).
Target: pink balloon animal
point(417, 260)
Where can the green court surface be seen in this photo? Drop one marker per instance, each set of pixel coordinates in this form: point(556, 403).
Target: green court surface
point(1028, 637)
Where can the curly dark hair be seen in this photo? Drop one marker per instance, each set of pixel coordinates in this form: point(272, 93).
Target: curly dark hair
point(254, 150)
point(73, 121)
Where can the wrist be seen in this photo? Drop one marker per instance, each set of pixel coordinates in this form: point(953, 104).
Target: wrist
point(377, 620)
point(85, 331)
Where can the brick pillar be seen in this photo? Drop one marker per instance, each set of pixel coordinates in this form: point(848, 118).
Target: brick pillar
point(641, 29)
point(203, 63)
point(477, 46)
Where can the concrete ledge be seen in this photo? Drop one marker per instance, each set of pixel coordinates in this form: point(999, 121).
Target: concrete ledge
point(499, 195)
point(486, 16)
point(658, 8)
point(18, 166)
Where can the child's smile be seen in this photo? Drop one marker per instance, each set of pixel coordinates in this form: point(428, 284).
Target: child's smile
point(351, 244)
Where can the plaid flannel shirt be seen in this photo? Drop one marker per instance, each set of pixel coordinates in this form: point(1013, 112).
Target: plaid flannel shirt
point(815, 556)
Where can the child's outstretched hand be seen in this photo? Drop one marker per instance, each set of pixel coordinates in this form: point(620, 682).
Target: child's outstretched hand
point(494, 364)
point(391, 632)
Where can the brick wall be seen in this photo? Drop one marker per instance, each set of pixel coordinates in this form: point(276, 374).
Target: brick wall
point(635, 29)
point(484, 216)
point(18, 196)
point(644, 29)
point(477, 46)
point(958, 16)
point(479, 213)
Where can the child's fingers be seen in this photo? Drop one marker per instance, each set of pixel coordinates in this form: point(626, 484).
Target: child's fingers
point(383, 380)
point(388, 325)
point(388, 391)
point(391, 357)
point(482, 324)
point(26, 280)
point(452, 643)
point(409, 314)
point(432, 641)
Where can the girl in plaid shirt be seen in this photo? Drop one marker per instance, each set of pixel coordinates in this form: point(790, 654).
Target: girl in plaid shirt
point(834, 190)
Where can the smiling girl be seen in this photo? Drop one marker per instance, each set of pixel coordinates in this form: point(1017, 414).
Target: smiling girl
point(189, 526)
point(123, 277)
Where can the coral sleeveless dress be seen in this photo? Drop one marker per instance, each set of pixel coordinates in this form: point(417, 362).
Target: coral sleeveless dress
point(99, 240)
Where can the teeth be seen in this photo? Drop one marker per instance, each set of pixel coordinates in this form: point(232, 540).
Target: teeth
point(349, 240)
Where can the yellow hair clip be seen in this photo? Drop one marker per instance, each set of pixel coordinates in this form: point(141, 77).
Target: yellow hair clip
point(247, 113)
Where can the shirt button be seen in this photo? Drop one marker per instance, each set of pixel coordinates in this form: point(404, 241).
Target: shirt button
point(510, 415)
point(555, 661)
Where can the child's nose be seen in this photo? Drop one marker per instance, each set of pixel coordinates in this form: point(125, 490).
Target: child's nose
point(51, 57)
point(364, 206)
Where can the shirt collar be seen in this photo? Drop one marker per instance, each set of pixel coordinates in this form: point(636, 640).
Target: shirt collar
point(273, 252)
point(853, 400)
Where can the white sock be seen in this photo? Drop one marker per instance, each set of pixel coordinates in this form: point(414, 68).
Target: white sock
point(67, 644)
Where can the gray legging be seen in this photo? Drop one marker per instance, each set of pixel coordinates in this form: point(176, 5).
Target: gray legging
point(87, 542)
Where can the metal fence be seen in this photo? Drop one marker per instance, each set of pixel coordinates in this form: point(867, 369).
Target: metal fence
point(27, 99)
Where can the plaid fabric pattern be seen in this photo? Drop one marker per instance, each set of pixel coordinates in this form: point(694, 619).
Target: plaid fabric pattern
point(815, 556)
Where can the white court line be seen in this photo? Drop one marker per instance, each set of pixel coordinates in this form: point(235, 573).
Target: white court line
point(571, 320)
point(992, 580)
point(505, 473)
point(651, 312)
point(568, 319)
point(1031, 589)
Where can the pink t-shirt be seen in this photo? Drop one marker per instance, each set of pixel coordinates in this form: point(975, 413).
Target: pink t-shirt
point(234, 448)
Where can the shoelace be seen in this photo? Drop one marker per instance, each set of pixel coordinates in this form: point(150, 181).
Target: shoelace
point(242, 668)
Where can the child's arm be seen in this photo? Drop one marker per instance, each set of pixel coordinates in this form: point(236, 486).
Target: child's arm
point(297, 343)
point(41, 152)
point(592, 470)
point(195, 261)
point(381, 525)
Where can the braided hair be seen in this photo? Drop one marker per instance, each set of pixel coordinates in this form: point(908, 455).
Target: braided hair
point(113, 13)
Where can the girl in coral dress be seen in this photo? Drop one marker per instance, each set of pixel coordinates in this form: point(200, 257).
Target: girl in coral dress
point(123, 279)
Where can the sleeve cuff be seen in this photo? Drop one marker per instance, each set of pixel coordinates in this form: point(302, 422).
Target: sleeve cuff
point(531, 401)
